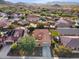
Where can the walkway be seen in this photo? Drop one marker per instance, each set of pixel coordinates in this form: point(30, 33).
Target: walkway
point(4, 51)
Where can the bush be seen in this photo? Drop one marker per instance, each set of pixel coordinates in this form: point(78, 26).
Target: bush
point(14, 46)
point(40, 26)
point(54, 33)
point(62, 51)
point(27, 43)
point(12, 26)
point(31, 29)
point(53, 43)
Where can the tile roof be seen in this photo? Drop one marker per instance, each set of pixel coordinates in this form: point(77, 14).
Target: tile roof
point(63, 22)
point(4, 23)
point(42, 35)
point(70, 41)
point(33, 18)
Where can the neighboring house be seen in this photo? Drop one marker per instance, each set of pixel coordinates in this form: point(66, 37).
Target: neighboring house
point(4, 23)
point(24, 31)
point(71, 42)
point(68, 31)
point(23, 22)
point(3, 14)
point(9, 39)
point(12, 36)
point(77, 22)
point(42, 37)
point(15, 15)
point(64, 23)
point(49, 18)
point(16, 19)
point(33, 18)
point(19, 32)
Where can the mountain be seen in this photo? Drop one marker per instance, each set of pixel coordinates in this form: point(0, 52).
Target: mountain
point(2, 2)
point(63, 3)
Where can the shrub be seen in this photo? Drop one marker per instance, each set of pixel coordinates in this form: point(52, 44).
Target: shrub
point(14, 46)
point(62, 51)
point(40, 26)
point(27, 43)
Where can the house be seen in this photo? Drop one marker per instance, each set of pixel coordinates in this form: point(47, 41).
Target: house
point(49, 18)
point(16, 19)
point(23, 22)
point(4, 23)
point(77, 22)
point(42, 37)
point(64, 22)
point(33, 18)
point(19, 32)
point(71, 42)
point(9, 39)
point(15, 15)
point(3, 14)
point(68, 31)
point(12, 36)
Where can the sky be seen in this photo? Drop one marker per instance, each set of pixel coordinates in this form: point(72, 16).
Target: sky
point(41, 1)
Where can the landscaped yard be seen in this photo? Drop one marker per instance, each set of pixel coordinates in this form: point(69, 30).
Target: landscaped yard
point(25, 47)
point(63, 52)
point(36, 52)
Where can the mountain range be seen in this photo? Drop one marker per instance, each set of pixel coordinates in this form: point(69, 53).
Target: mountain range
point(49, 3)
point(63, 3)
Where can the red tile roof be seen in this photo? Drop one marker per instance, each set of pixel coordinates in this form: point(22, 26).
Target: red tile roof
point(42, 35)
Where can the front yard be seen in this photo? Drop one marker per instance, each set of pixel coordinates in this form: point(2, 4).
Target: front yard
point(63, 52)
point(26, 46)
point(36, 52)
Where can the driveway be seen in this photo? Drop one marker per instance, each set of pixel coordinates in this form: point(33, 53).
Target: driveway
point(4, 51)
point(46, 51)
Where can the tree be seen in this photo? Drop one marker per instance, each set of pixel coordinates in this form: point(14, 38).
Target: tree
point(27, 44)
point(14, 46)
point(54, 33)
point(31, 29)
point(22, 17)
point(40, 25)
point(42, 19)
point(12, 26)
point(43, 14)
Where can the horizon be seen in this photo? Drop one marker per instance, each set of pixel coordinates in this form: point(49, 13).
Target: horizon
point(41, 1)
